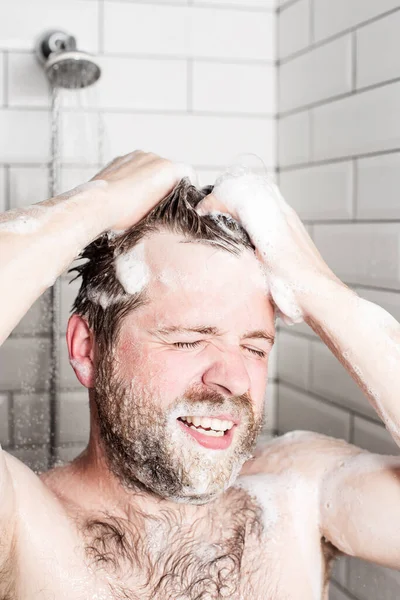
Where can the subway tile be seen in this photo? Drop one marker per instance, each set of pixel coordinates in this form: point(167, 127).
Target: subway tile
point(25, 136)
point(332, 17)
point(323, 192)
point(390, 301)
point(66, 454)
point(362, 253)
point(378, 177)
point(359, 124)
point(339, 571)
point(79, 137)
point(322, 73)
point(230, 34)
point(294, 28)
point(3, 190)
point(37, 320)
point(28, 185)
point(270, 406)
point(335, 593)
point(373, 437)
point(36, 458)
point(331, 380)
point(31, 419)
point(234, 88)
point(27, 81)
point(2, 77)
point(273, 363)
point(368, 581)
point(294, 139)
point(71, 177)
point(134, 83)
point(198, 140)
point(73, 421)
point(378, 51)
point(296, 411)
point(293, 359)
point(68, 295)
point(4, 427)
point(22, 22)
point(142, 29)
point(25, 364)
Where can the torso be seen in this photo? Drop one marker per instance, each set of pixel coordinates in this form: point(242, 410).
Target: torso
point(262, 544)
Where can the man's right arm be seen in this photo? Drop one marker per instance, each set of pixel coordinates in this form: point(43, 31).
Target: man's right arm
point(39, 242)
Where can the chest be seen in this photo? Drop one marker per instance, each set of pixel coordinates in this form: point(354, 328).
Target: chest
point(244, 551)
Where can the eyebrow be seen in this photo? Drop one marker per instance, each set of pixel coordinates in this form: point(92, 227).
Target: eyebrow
point(205, 330)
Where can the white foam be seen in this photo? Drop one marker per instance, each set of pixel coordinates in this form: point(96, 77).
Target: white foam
point(132, 270)
point(260, 487)
point(83, 370)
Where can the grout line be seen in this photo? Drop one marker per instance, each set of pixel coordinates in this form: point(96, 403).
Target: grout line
point(286, 5)
point(238, 7)
point(336, 160)
point(339, 97)
point(338, 35)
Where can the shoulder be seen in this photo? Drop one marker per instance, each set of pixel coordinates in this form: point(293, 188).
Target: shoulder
point(312, 455)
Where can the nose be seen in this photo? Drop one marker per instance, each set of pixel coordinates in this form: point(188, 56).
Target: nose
point(228, 374)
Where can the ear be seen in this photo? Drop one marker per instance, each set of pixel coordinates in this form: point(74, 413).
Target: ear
point(80, 342)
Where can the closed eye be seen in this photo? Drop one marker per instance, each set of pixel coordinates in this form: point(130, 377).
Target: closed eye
point(189, 345)
point(259, 353)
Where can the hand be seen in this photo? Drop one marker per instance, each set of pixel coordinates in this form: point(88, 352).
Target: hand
point(292, 263)
point(136, 182)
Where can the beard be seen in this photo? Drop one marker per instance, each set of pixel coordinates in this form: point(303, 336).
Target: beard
point(147, 450)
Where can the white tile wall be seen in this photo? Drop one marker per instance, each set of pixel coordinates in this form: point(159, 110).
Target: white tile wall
point(25, 364)
point(390, 301)
point(378, 185)
point(199, 140)
point(370, 582)
point(31, 418)
point(36, 321)
point(73, 424)
point(331, 380)
point(362, 123)
point(147, 84)
point(271, 397)
point(336, 593)
point(22, 22)
point(236, 88)
point(322, 73)
point(68, 453)
point(373, 437)
point(294, 28)
point(68, 295)
point(293, 359)
point(265, 4)
point(35, 457)
point(297, 410)
point(358, 253)
point(3, 195)
point(25, 136)
point(334, 17)
point(27, 83)
point(70, 177)
point(4, 427)
point(378, 56)
point(2, 87)
point(294, 139)
point(28, 185)
point(322, 192)
point(339, 571)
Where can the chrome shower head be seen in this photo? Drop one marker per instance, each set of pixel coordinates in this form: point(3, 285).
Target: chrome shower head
point(66, 66)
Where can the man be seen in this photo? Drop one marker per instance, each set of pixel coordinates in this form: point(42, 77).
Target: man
point(171, 333)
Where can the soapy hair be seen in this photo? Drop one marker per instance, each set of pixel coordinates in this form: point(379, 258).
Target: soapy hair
point(101, 298)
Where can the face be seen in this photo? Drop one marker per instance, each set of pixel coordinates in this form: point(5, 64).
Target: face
point(180, 398)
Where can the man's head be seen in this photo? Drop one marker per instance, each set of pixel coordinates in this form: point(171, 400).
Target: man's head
point(180, 320)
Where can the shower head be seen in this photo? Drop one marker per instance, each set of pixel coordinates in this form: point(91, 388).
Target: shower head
point(66, 66)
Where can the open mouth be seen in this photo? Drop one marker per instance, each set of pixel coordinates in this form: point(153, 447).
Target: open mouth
point(215, 434)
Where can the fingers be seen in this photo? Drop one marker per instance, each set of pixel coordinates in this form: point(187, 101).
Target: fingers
point(211, 204)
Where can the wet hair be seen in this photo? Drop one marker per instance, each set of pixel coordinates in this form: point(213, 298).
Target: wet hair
point(101, 298)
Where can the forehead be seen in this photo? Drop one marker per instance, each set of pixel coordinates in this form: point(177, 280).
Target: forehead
point(198, 280)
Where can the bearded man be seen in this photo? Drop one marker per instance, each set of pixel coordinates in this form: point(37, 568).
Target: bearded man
point(171, 333)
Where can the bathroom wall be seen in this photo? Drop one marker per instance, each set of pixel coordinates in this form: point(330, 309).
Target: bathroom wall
point(191, 80)
point(339, 167)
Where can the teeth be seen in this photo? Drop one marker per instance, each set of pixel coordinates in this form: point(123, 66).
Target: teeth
point(217, 425)
point(209, 432)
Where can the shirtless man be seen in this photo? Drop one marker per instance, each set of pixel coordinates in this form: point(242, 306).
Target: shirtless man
point(173, 326)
